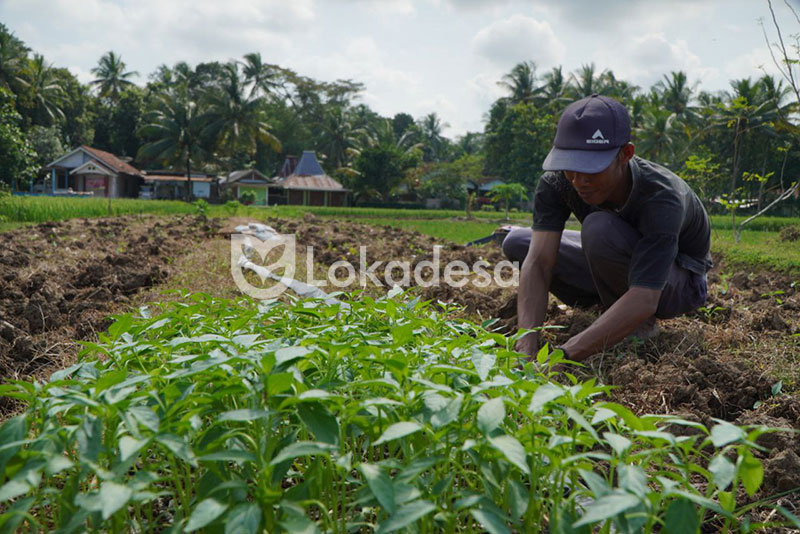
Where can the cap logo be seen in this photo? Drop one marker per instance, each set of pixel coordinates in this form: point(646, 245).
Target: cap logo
point(597, 138)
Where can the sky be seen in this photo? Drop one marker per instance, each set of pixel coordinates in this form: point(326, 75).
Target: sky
point(414, 56)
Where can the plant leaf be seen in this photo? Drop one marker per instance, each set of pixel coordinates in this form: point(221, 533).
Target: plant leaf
point(544, 394)
point(483, 362)
point(725, 433)
point(491, 415)
point(204, 513)
point(302, 448)
point(322, 423)
point(490, 521)
point(723, 471)
point(243, 519)
point(399, 430)
point(405, 515)
point(380, 484)
point(752, 473)
point(243, 415)
point(681, 518)
point(513, 450)
point(178, 446)
point(113, 496)
point(607, 507)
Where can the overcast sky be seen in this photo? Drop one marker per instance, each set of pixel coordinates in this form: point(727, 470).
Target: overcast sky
point(416, 56)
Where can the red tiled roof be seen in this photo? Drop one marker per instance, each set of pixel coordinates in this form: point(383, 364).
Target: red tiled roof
point(319, 181)
point(112, 161)
point(173, 178)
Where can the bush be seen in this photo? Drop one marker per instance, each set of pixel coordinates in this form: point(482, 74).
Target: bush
point(247, 198)
point(383, 414)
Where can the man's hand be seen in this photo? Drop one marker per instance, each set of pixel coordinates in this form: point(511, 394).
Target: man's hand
point(622, 318)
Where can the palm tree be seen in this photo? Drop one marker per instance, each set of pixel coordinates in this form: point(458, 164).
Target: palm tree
point(553, 93)
point(470, 143)
point(13, 56)
point(431, 127)
point(174, 127)
point(676, 92)
point(339, 136)
point(262, 77)
point(521, 82)
point(585, 82)
point(111, 76)
point(45, 89)
point(235, 119)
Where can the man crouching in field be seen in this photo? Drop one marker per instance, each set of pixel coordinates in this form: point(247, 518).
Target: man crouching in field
point(643, 248)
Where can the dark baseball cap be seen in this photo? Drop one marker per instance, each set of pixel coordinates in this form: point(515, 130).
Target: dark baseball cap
point(589, 135)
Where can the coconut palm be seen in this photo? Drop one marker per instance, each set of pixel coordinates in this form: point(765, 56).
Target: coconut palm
point(553, 94)
point(262, 77)
point(111, 76)
point(339, 137)
point(521, 82)
point(45, 89)
point(13, 58)
point(676, 93)
point(234, 119)
point(586, 81)
point(430, 128)
point(173, 128)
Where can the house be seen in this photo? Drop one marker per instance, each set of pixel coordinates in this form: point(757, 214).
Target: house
point(304, 182)
point(94, 171)
point(300, 181)
point(168, 185)
point(241, 181)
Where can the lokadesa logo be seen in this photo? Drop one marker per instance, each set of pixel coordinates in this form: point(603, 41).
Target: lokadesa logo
point(243, 250)
point(261, 244)
point(597, 138)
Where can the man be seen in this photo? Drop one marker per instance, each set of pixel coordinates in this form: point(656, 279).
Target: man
point(643, 248)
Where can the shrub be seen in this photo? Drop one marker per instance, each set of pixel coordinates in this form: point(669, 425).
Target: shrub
point(376, 414)
point(247, 198)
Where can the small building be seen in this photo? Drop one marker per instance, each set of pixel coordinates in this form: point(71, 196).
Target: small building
point(239, 182)
point(304, 182)
point(167, 185)
point(96, 172)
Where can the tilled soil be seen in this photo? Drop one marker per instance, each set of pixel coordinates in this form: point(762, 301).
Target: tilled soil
point(60, 281)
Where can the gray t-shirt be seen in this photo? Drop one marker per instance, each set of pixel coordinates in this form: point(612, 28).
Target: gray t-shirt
point(662, 207)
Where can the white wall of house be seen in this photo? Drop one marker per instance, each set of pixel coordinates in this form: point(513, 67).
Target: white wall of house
point(201, 189)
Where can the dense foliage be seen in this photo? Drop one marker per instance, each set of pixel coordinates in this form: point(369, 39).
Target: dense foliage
point(735, 145)
point(366, 416)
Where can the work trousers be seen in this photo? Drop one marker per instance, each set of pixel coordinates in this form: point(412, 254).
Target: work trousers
point(593, 266)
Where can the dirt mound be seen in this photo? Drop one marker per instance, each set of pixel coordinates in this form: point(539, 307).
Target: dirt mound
point(59, 281)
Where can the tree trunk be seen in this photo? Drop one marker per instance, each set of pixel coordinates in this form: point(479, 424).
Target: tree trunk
point(735, 175)
point(188, 178)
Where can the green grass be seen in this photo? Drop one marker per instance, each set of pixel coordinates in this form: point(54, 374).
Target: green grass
point(757, 249)
point(457, 231)
point(41, 209)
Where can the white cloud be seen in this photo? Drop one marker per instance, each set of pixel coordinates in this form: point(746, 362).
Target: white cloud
point(753, 64)
point(518, 38)
point(174, 30)
point(651, 56)
point(388, 7)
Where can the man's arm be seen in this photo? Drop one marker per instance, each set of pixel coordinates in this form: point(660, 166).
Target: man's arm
point(622, 318)
point(534, 283)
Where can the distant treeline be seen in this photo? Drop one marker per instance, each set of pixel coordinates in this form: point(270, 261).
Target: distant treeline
point(216, 117)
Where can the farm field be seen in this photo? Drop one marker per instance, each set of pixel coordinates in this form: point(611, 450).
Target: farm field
point(737, 360)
